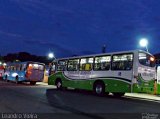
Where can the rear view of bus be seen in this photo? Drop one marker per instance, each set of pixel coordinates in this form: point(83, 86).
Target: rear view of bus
point(145, 73)
point(34, 72)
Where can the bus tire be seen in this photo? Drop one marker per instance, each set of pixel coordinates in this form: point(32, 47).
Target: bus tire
point(99, 88)
point(58, 84)
point(120, 94)
point(16, 79)
point(33, 83)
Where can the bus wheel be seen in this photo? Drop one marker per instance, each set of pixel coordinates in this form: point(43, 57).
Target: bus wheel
point(59, 84)
point(118, 94)
point(33, 83)
point(99, 88)
point(16, 79)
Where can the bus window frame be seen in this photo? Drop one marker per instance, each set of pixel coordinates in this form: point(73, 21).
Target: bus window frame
point(147, 59)
point(27, 65)
point(92, 64)
point(39, 64)
point(77, 64)
point(103, 56)
point(66, 60)
point(122, 69)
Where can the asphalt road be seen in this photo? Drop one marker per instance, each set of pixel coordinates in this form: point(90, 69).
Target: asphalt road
point(47, 102)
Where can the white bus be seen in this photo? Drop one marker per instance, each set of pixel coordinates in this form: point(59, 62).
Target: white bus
point(116, 73)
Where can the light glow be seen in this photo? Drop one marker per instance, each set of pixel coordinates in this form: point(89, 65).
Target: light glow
point(14, 74)
point(143, 42)
point(30, 65)
point(152, 59)
point(4, 64)
point(51, 55)
point(35, 65)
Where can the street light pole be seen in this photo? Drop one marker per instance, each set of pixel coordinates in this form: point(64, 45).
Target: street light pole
point(147, 48)
point(51, 56)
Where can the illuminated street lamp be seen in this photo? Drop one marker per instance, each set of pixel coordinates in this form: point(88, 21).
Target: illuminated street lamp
point(144, 43)
point(50, 55)
point(4, 64)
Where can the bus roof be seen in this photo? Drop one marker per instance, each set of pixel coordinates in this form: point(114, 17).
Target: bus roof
point(101, 54)
point(25, 62)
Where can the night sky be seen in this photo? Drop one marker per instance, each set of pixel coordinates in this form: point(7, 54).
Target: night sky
point(78, 27)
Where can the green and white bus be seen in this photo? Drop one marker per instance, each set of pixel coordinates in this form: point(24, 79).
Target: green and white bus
point(116, 73)
point(158, 79)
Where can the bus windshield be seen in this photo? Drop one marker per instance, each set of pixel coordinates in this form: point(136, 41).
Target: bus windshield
point(36, 66)
point(146, 59)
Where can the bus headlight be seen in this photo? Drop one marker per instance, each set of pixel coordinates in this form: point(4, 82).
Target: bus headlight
point(14, 74)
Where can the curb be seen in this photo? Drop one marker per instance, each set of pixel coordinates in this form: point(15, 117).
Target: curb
point(146, 97)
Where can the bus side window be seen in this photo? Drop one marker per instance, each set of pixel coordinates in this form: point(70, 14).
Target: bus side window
point(102, 63)
point(86, 64)
point(73, 65)
point(107, 66)
point(122, 61)
point(61, 65)
point(128, 65)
